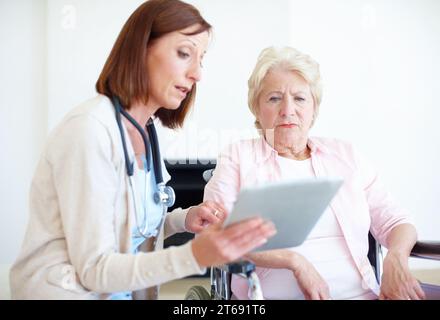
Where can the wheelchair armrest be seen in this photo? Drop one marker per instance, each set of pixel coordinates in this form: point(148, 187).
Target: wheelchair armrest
point(238, 267)
point(426, 250)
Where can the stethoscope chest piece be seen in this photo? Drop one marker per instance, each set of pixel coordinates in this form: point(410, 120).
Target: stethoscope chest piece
point(165, 195)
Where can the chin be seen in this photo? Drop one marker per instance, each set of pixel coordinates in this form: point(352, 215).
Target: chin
point(174, 105)
point(286, 135)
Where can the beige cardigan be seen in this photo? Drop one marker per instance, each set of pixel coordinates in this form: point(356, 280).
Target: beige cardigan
point(78, 240)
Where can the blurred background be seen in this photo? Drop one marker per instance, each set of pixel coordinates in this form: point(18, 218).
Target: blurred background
point(379, 63)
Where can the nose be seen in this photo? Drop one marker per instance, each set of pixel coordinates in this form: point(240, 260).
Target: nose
point(288, 107)
point(195, 72)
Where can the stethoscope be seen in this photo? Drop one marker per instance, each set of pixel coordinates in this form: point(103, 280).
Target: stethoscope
point(164, 194)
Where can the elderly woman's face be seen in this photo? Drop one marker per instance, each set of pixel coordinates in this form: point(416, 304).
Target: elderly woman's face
point(285, 104)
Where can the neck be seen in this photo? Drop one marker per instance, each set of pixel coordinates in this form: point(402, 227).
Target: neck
point(296, 150)
point(141, 113)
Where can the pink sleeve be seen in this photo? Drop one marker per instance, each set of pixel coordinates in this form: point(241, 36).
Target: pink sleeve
point(224, 185)
point(385, 212)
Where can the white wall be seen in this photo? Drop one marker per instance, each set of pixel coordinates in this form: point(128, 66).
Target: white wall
point(81, 34)
point(377, 60)
point(23, 113)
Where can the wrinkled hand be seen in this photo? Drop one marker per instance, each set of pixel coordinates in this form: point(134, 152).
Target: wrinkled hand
point(397, 281)
point(310, 281)
point(206, 213)
point(216, 245)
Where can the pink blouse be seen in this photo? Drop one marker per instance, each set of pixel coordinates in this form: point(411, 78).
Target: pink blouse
point(361, 205)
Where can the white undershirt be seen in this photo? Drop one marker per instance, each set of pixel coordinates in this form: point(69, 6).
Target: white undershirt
point(325, 248)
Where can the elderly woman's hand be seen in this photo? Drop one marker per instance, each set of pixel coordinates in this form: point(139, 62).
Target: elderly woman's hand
point(206, 213)
point(217, 245)
point(397, 281)
point(312, 285)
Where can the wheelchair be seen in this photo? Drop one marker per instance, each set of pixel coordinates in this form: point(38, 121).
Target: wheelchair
point(221, 282)
point(220, 276)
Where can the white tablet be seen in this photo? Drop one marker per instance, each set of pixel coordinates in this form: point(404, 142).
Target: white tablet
point(294, 206)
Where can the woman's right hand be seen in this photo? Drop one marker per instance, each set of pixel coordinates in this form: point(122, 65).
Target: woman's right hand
point(217, 245)
point(312, 285)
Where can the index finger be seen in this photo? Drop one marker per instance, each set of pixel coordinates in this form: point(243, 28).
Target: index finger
point(248, 223)
point(210, 217)
point(222, 212)
point(419, 291)
point(245, 228)
point(325, 295)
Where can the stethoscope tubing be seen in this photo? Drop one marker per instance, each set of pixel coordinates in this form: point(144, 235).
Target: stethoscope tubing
point(165, 194)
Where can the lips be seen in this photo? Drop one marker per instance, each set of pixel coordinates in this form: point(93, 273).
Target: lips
point(288, 125)
point(184, 90)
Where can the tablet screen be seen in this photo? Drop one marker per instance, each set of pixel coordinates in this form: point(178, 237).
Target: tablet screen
point(294, 206)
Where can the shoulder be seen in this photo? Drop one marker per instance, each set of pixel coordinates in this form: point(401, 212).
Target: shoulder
point(340, 151)
point(98, 109)
point(242, 148)
point(244, 145)
point(332, 146)
point(331, 143)
point(96, 114)
point(91, 123)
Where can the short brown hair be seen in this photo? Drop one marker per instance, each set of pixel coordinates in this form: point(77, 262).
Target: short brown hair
point(123, 74)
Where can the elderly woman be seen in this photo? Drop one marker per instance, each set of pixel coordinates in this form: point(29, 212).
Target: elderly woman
point(284, 96)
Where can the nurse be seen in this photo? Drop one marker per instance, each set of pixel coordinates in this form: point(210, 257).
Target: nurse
point(94, 231)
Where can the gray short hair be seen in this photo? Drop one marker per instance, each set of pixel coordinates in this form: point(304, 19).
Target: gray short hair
point(285, 58)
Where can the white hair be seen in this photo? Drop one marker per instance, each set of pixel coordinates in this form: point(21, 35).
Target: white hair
point(289, 59)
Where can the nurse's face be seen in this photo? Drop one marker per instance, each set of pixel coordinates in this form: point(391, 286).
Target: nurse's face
point(174, 64)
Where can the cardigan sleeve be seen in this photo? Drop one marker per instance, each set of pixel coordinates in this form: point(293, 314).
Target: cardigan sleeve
point(86, 182)
point(175, 222)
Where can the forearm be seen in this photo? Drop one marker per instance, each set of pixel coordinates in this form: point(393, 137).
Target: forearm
point(401, 240)
point(276, 259)
point(397, 281)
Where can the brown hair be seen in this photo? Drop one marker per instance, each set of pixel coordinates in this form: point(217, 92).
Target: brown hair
point(124, 72)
